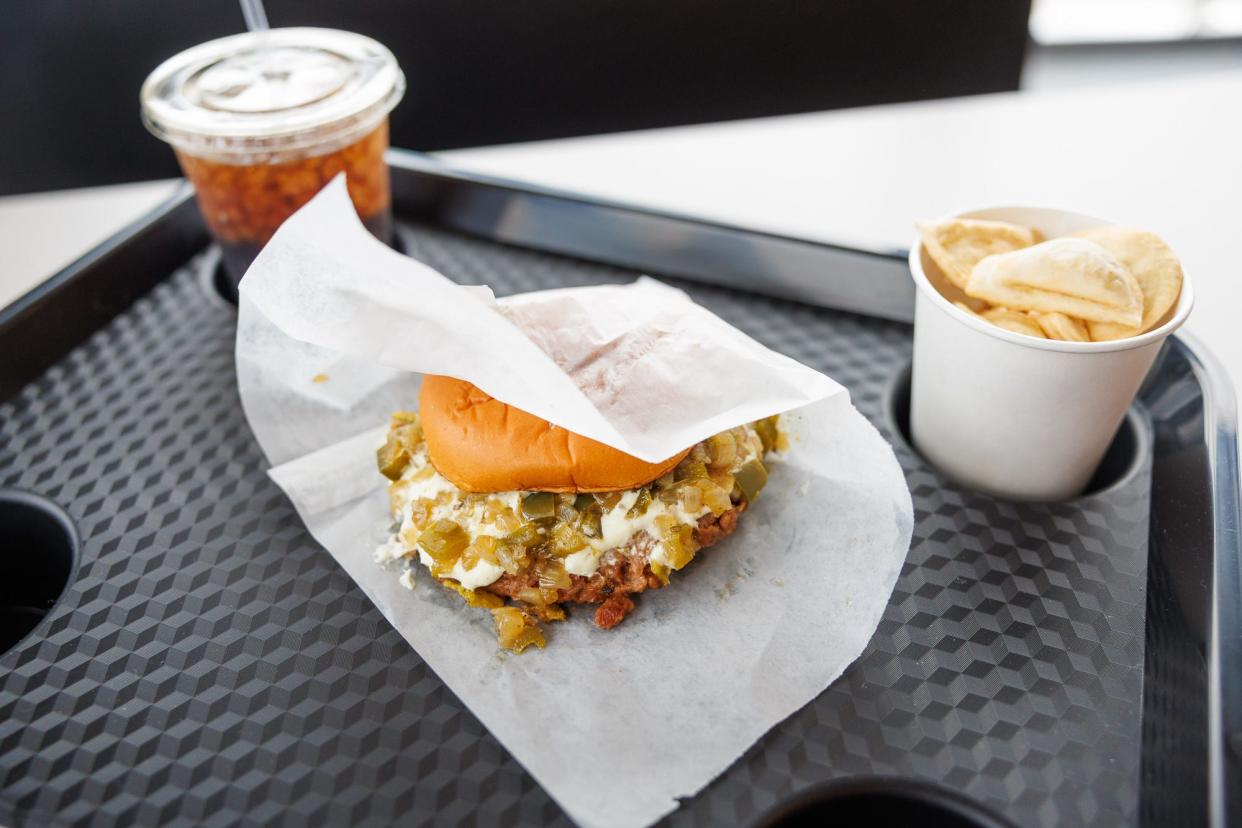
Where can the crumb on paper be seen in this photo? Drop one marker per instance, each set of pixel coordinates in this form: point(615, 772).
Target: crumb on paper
point(319, 378)
point(805, 487)
point(407, 579)
point(731, 585)
point(776, 582)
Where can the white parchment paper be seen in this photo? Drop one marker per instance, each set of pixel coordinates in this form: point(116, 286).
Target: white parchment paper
point(334, 329)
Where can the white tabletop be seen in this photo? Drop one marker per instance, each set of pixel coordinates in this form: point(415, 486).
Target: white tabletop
point(43, 232)
point(1167, 157)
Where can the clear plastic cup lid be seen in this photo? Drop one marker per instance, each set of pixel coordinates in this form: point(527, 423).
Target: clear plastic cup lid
point(273, 91)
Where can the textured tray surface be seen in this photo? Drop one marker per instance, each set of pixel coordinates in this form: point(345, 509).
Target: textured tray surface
point(211, 665)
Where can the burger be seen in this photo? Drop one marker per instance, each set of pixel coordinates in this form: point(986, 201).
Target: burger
point(525, 518)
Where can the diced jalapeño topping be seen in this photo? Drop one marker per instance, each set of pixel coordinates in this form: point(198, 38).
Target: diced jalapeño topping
point(539, 505)
point(397, 451)
point(444, 541)
point(515, 630)
point(768, 433)
point(392, 458)
point(640, 504)
point(526, 536)
point(751, 478)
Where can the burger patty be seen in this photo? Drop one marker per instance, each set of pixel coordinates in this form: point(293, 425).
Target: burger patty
point(622, 572)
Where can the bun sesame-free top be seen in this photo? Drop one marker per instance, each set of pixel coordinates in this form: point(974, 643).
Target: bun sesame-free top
point(484, 445)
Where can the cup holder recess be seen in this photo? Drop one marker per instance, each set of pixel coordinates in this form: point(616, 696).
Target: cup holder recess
point(219, 286)
point(38, 554)
point(1124, 455)
point(880, 801)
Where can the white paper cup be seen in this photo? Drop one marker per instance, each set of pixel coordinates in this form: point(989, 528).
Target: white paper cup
point(1012, 415)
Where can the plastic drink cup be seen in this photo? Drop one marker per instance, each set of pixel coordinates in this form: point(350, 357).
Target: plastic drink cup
point(1013, 415)
point(261, 121)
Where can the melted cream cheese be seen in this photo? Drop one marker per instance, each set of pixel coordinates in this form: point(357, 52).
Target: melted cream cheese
point(617, 530)
point(479, 575)
point(417, 484)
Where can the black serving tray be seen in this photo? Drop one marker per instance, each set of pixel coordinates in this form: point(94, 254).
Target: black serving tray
point(206, 663)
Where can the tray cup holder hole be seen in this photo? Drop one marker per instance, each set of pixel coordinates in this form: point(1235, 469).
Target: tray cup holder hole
point(881, 802)
point(1121, 459)
point(38, 554)
point(215, 278)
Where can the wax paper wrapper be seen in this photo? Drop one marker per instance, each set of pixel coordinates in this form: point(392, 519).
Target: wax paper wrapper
point(334, 332)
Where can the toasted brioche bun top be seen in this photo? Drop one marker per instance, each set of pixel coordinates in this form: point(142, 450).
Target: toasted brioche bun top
point(483, 445)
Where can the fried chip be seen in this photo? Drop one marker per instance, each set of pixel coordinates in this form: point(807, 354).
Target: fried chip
point(1155, 267)
point(1075, 277)
point(965, 308)
point(1012, 320)
point(1062, 327)
point(957, 245)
